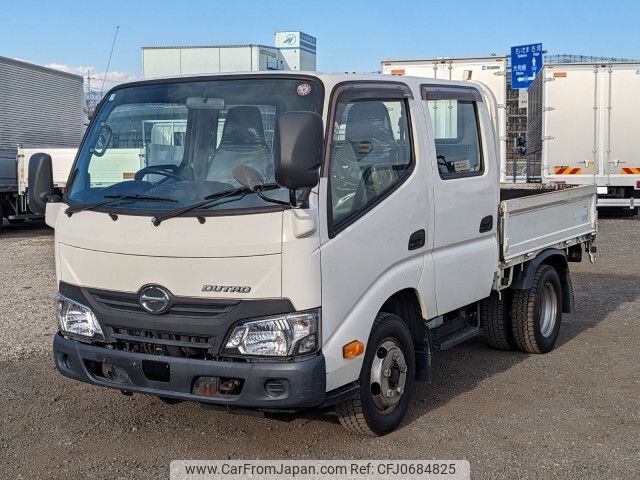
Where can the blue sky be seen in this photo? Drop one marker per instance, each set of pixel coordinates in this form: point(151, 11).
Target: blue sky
point(352, 35)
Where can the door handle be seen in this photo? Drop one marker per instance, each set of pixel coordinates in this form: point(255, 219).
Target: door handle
point(486, 224)
point(417, 239)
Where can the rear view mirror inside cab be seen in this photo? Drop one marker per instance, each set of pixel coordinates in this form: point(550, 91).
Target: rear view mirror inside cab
point(204, 103)
point(102, 140)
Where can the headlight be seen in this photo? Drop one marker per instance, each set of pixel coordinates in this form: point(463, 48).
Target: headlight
point(76, 319)
point(278, 336)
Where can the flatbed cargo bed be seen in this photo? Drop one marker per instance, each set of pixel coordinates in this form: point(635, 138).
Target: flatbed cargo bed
point(535, 217)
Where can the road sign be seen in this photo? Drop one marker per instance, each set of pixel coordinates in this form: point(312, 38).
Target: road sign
point(526, 62)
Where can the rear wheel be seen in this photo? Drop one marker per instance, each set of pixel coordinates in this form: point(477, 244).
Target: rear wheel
point(386, 380)
point(496, 322)
point(536, 313)
point(1, 216)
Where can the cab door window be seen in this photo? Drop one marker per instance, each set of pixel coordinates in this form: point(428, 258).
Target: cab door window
point(455, 125)
point(370, 154)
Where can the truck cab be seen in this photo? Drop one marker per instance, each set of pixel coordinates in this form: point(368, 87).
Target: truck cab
point(316, 239)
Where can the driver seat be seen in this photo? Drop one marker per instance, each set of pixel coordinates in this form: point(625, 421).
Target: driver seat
point(369, 132)
point(242, 143)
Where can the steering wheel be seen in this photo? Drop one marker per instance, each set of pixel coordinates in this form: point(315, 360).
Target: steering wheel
point(168, 171)
point(443, 163)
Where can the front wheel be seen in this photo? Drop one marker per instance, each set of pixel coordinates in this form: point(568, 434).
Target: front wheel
point(536, 312)
point(386, 380)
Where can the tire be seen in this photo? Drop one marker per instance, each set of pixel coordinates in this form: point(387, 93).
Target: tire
point(496, 322)
point(536, 313)
point(16, 221)
point(1, 217)
point(390, 354)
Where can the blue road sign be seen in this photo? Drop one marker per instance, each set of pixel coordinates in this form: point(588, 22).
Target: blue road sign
point(526, 62)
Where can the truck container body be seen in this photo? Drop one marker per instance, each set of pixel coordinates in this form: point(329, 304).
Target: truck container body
point(316, 267)
point(61, 159)
point(490, 71)
point(582, 119)
point(38, 106)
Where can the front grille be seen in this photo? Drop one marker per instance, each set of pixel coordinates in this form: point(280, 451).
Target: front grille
point(181, 307)
point(161, 343)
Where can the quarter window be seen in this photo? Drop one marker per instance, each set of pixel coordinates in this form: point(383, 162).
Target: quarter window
point(370, 154)
point(455, 131)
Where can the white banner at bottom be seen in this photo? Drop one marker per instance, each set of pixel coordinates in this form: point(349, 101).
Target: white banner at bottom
point(320, 469)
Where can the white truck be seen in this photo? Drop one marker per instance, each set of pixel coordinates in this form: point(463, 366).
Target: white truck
point(319, 268)
point(14, 205)
point(38, 106)
point(582, 122)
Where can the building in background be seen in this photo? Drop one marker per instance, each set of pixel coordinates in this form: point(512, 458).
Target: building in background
point(292, 51)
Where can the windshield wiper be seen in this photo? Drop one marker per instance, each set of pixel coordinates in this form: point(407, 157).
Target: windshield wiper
point(116, 198)
point(210, 201)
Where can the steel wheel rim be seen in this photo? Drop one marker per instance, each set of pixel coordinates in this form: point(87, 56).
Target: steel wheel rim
point(388, 375)
point(548, 310)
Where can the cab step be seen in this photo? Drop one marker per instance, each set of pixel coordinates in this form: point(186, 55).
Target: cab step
point(455, 327)
point(454, 338)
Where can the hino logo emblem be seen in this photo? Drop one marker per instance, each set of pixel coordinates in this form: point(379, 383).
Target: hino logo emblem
point(154, 299)
point(225, 288)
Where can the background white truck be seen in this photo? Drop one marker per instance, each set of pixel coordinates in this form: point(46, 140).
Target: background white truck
point(491, 71)
point(39, 107)
point(317, 267)
point(583, 124)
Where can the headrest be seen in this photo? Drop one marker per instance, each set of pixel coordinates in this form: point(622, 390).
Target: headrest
point(243, 126)
point(369, 121)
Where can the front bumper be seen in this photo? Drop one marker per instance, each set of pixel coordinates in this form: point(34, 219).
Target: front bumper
point(303, 381)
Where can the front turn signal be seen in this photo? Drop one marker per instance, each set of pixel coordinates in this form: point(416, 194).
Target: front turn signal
point(353, 349)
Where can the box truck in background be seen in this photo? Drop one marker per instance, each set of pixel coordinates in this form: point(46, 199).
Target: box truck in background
point(583, 125)
point(38, 106)
point(490, 71)
point(18, 206)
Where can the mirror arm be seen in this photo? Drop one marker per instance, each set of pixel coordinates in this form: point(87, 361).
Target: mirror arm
point(293, 201)
point(258, 191)
point(304, 197)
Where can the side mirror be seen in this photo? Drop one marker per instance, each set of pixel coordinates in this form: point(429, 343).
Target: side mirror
point(298, 140)
point(40, 182)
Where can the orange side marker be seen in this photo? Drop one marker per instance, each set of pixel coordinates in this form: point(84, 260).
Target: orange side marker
point(353, 349)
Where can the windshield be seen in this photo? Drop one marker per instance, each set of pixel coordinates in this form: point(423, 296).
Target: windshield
point(164, 146)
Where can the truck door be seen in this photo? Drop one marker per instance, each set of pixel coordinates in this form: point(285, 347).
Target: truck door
point(466, 185)
point(623, 143)
point(377, 231)
point(572, 123)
